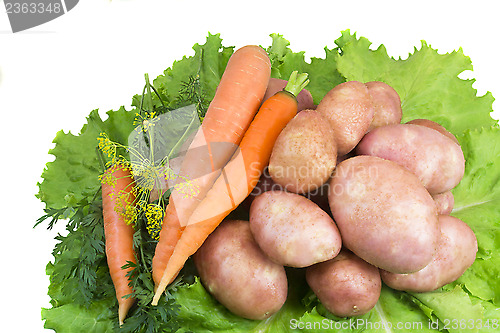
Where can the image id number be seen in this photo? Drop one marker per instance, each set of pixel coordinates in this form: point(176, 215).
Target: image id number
point(470, 324)
point(33, 8)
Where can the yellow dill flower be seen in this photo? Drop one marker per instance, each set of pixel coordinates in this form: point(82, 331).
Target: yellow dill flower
point(125, 207)
point(146, 122)
point(142, 204)
point(169, 174)
point(150, 170)
point(148, 176)
point(107, 146)
point(154, 218)
point(187, 188)
point(108, 179)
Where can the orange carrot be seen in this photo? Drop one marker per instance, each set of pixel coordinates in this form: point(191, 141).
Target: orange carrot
point(117, 202)
point(238, 177)
point(231, 111)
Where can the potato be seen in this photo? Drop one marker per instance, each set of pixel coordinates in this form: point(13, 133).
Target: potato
point(456, 252)
point(304, 98)
point(435, 159)
point(238, 274)
point(386, 102)
point(349, 109)
point(292, 230)
point(434, 126)
point(346, 285)
point(444, 202)
point(304, 154)
point(384, 214)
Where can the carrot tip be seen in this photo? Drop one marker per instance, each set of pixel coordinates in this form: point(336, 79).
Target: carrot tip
point(122, 313)
point(156, 298)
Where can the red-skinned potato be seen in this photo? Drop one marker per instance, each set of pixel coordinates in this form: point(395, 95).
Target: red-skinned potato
point(292, 230)
point(346, 285)
point(444, 202)
point(238, 274)
point(304, 154)
point(384, 214)
point(304, 98)
point(456, 252)
point(435, 126)
point(434, 158)
point(349, 109)
point(386, 102)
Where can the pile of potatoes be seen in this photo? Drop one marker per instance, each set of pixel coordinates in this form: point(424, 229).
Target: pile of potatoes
point(352, 196)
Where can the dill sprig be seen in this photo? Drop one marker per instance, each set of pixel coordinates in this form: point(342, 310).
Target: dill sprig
point(191, 92)
point(148, 163)
point(79, 273)
point(144, 317)
point(79, 257)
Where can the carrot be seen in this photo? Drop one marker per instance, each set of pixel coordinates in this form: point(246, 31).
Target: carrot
point(117, 202)
point(236, 101)
point(238, 177)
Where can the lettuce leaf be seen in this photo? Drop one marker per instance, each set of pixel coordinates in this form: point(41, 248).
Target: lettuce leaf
point(451, 306)
point(73, 175)
point(429, 87)
point(207, 64)
point(201, 313)
point(73, 318)
point(323, 73)
point(426, 81)
point(477, 202)
point(395, 312)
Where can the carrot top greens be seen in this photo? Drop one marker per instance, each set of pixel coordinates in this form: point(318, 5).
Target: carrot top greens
point(81, 291)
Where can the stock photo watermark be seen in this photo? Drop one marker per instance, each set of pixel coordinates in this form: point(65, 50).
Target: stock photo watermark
point(364, 324)
point(24, 15)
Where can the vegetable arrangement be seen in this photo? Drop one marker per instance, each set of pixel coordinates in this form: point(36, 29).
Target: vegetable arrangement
point(83, 292)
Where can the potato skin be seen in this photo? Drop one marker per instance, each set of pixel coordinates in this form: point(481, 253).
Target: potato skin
point(456, 253)
point(292, 230)
point(346, 285)
point(349, 108)
point(384, 214)
point(304, 154)
point(386, 102)
point(304, 98)
point(238, 274)
point(444, 202)
point(435, 159)
point(435, 126)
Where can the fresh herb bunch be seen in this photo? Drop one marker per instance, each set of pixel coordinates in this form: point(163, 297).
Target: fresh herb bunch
point(80, 267)
point(83, 277)
point(144, 317)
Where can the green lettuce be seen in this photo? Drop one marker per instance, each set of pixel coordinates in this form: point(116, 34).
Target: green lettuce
point(76, 319)
point(426, 81)
point(429, 87)
point(72, 176)
point(323, 73)
point(477, 202)
point(194, 301)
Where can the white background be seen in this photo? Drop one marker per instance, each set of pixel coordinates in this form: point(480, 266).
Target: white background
point(96, 55)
